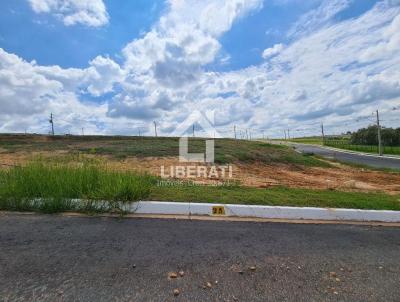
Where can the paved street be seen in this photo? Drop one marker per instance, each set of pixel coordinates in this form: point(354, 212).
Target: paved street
point(56, 258)
point(373, 161)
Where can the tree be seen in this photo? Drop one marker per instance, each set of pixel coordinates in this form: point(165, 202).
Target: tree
point(369, 136)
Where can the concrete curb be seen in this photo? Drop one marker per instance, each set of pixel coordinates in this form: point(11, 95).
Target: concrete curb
point(267, 212)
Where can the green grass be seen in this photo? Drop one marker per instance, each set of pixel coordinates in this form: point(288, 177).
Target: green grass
point(54, 187)
point(307, 140)
point(345, 144)
point(226, 150)
point(278, 196)
point(55, 183)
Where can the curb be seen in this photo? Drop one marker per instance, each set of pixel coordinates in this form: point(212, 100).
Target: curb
point(266, 212)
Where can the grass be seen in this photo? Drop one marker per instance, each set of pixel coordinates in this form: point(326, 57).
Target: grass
point(54, 187)
point(307, 140)
point(278, 196)
point(54, 184)
point(119, 147)
point(345, 144)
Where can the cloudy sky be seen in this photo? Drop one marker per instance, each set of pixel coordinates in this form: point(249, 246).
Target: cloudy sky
point(115, 66)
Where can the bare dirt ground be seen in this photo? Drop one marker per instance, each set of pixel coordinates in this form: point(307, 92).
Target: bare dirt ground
point(339, 177)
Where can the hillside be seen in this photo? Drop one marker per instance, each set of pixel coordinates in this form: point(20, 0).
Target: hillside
point(121, 147)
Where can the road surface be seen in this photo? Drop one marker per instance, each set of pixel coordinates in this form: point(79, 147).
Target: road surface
point(373, 161)
point(57, 258)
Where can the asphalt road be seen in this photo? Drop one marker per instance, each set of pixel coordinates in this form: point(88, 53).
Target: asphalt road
point(377, 162)
point(55, 258)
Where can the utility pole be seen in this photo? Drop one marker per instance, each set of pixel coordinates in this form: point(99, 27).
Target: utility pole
point(285, 134)
point(323, 134)
point(83, 132)
point(288, 133)
point(379, 134)
point(234, 130)
point(155, 128)
point(52, 123)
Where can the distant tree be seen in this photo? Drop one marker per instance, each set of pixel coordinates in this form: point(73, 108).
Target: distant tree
point(369, 136)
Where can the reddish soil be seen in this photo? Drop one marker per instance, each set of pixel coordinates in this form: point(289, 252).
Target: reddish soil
point(338, 177)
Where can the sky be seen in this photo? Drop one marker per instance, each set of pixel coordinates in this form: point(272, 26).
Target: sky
point(115, 66)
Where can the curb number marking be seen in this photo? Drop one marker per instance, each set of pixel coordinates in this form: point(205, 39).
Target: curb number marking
point(218, 210)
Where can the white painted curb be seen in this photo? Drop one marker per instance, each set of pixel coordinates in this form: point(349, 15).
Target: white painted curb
point(268, 212)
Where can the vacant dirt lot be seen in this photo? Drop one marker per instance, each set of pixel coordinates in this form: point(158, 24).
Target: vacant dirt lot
point(261, 175)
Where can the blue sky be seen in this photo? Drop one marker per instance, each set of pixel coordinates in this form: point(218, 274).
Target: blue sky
point(115, 66)
point(43, 38)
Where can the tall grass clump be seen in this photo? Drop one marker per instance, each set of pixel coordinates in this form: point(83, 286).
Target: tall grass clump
point(52, 187)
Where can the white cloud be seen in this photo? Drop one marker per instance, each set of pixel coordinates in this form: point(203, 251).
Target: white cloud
point(172, 55)
point(102, 75)
point(23, 91)
point(72, 12)
point(322, 77)
point(331, 71)
point(270, 52)
point(29, 92)
point(389, 46)
point(319, 17)
point(187, 33)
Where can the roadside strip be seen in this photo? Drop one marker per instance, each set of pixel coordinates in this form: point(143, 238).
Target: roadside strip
point(212, 218)
point(265, 212)
point(351, 152)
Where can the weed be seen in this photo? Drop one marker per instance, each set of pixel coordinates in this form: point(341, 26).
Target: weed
point(52, 187)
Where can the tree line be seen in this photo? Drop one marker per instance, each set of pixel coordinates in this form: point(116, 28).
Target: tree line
point(369, 136)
